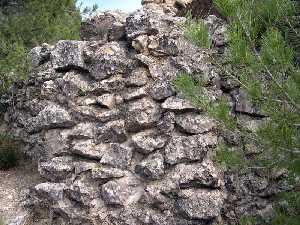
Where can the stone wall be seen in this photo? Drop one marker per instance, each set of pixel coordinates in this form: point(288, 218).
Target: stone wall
point(116, 144)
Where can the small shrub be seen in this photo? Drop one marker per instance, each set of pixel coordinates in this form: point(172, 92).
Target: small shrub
point(197, 32)
point(9, 152)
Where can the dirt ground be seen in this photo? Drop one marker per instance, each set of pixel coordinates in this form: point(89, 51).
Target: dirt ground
point(12, 183)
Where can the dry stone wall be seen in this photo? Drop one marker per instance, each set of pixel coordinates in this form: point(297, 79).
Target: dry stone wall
point(116, 144)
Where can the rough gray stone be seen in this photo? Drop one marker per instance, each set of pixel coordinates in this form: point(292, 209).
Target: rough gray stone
point(141, 114)
point(104, 172)
point(106, 26)
point(161, 90)
point(117, 156)
point(88, 149)
point(52, 116)
point(189, 148)
point(194, 123)
point(152, 167)
point(138, 77)
point(124, 192)
point(57, 169)
point(200, 204)
point(197, 175)
point(112, 132)
point(68, 54)
point(148, 141)
point(110, 59)
point(177, 104)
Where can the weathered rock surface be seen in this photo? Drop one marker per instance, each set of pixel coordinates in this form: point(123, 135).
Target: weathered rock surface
point(115, 143)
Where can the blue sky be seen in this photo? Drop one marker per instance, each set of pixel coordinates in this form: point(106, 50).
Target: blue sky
point(124, 5)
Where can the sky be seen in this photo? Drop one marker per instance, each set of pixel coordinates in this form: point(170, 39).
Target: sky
point(124, 5)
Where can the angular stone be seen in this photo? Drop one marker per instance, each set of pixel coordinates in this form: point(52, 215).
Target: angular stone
point(40, 55)
point(82, 191)
point(156, 194)
point(195, 123)
point(56, 142)
point(140, 43)
point(135, 93)
point(160, 69)
point(58, 168)
point(109, 100)
point(112, 84)
point(148, 141)
point(177, 104)
point(68, 54)
point(167, 123)
point(200, 204)
point(104, 172)
point(112, 132)
point(142, 113)
point(138, 77)
point(197, 175)
point(110, 59)
point(88, 149)
point(122, 192)
point(83, 130)
point(52, 116)
point(75, 82)
point(161, 90)
point(189, 148)
point(152, 167)
point(163, 46)
point(52, 191)
point(105, 26)
point(117, 155)
point(84, 166)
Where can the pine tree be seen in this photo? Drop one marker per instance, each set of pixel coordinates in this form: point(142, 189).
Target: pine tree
point(26, 24)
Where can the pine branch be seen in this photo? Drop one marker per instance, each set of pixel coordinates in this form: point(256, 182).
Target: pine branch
point(292, 102)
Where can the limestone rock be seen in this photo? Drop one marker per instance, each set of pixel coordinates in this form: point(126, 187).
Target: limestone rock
point(103, 172)
point(58, 168)
point(200, 204)
point(148, 141)
point(110, 59)
point(142, 113)
point(194, 123)
point(123, 192)
point(88, 149)
point(112, 132)
point(177, 104)
point(138, 77)
point(52, 116)
point(117, 155)
point(68, 54)
point(197, 175)
point(106, 26)
point(152, 167)
point(189, 149)
point(161, 90)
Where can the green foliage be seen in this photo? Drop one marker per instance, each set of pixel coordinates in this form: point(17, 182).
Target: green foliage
point(229, 158)
point(35, 22)
point(194, 90)
point(289, 212)
point(9, 152)
point(197, 32)
point(248, 220)
point(263, 63)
